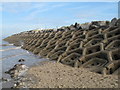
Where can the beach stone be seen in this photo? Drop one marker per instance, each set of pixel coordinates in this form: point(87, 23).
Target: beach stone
point(113, 22)
point(21, 60)
point(4, 79)
point(85, 26)
point(72, 27)
point(100, 23)
point(77, 26)
point(17, 70)
point(93, 27)
point(118, 22)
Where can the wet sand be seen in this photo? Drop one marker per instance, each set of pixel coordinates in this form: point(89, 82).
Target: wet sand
point(56, 75)
point(10, 56)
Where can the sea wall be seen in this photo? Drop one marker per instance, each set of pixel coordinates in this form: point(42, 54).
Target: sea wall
point(94, 45)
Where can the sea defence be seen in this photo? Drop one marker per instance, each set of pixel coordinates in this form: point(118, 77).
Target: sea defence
point(94, 45)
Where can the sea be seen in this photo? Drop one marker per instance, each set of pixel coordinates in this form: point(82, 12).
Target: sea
point(10, 55)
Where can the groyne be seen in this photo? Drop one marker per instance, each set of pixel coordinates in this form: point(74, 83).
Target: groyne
point(94, 45)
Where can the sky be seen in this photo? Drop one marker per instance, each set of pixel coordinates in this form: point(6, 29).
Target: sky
point(24, 16)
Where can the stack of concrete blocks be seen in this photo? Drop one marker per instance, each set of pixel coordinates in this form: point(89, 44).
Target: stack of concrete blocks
point(94, 45)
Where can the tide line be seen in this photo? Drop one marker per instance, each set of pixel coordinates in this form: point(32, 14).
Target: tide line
point(10, 49)
point(12, 56)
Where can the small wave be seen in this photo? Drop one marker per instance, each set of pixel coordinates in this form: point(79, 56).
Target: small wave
point(10, 49)
point(7, 45)
point(27, 51)
point(12, 56)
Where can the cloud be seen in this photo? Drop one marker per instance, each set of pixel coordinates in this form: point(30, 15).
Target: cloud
point(105, 11)
point(1, 7)
point(21, 7)
point(9, 29)
point(15, 7)
point(41, 8)
point(30, 18)
point(18, 7)
point(51, 15)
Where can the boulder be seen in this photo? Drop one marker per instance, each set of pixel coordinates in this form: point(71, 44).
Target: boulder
point(93, 27)
point(17, 70)
point(77, 26)
point(118, 22)
point(21, 60)
point(85, 26)
point(113, 22)
point(4, 79)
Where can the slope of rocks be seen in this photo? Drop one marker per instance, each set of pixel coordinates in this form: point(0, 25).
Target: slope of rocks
point(94, 45)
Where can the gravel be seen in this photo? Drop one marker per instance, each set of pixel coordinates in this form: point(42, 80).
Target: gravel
point(56, 75)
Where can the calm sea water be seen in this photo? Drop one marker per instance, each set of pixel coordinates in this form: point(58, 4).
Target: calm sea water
point(10, 56)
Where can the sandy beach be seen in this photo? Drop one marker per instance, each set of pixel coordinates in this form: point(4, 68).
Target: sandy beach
point(56, 75)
